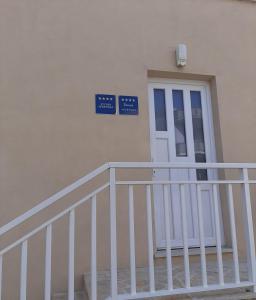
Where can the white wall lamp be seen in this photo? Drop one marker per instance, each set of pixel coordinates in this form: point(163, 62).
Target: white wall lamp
point(181, 55)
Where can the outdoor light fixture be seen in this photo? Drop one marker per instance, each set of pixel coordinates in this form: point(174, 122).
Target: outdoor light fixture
point(181, 55)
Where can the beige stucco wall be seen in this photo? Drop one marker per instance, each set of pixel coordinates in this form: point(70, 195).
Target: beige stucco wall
point(56, 55)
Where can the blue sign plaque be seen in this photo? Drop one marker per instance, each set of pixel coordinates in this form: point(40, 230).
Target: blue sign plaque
point(128, 105)
point(105, 104)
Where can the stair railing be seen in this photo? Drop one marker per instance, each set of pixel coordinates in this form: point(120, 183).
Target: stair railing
point(112, 184)
point(23, 242)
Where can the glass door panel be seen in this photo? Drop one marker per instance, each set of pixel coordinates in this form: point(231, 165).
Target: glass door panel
point(160, 110)
point(198, 133)
point(179, 123)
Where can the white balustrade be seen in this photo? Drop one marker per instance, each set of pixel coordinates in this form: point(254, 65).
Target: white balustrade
point(184, 186)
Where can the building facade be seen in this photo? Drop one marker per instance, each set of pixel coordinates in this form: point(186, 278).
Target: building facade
point(56, 56)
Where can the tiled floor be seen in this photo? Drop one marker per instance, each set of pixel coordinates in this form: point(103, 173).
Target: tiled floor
point(178, 280)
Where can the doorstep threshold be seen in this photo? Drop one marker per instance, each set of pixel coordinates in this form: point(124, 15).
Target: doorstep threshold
point(192, 251)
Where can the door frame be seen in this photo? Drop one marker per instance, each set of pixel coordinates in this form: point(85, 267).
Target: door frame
point(211, 155)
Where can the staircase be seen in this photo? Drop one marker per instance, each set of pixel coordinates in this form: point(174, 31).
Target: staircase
point(123, 276)
point(157, 278)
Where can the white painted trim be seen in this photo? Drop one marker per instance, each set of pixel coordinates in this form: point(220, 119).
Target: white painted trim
point(178, 81)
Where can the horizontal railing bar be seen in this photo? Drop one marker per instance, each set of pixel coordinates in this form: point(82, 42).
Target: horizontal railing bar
point(162, 182)
point(54, 219)
point(180, 291)
point(51, 200)
point(44, 204)
point(152, 165)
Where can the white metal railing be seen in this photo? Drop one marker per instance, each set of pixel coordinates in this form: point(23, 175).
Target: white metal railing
point(113, 183)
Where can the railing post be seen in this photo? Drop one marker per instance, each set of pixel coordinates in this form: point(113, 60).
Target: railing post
point(201, 237)
point(150, 241)
point(23, 270)
point(132, 241)
point(113, 242)
point(185, 234)
point(248, 222)
point(48, 262)
point(168, 238)
point(218, 233)
point(233, 233)
point(94, 249)
point(71, 256)
point(1, 275)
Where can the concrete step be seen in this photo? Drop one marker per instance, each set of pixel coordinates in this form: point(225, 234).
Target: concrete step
point(235, 294)
point(79, 295)
point(103, 282)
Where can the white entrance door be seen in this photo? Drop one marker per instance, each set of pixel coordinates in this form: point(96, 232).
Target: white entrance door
point(182, 131)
